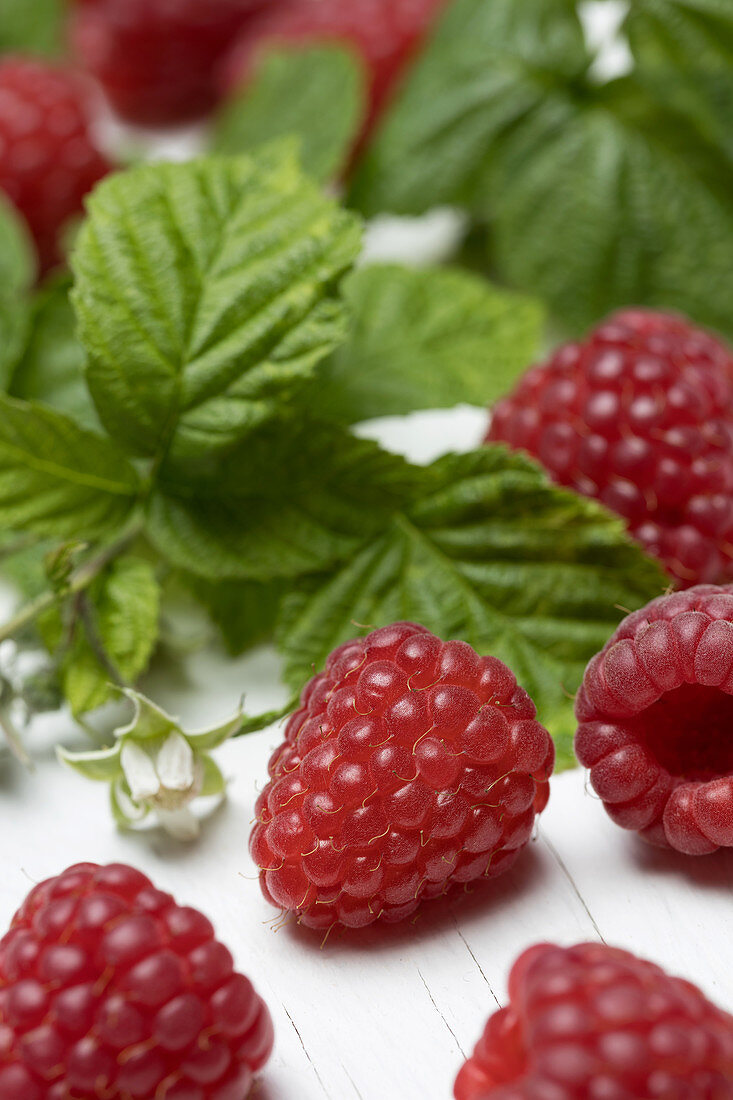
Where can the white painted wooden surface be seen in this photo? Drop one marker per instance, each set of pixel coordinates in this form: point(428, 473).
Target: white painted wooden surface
point(389, 1012)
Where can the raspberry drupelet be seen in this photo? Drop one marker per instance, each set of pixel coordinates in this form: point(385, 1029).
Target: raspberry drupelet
point(640, 416)
point(108, 989)
point(411, 766)
point(593, 1022)
point(385, 34)
point(48, 161)
point(656, 721)
point(157, 59)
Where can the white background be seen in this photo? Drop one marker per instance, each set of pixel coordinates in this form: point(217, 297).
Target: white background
point(389, 1012)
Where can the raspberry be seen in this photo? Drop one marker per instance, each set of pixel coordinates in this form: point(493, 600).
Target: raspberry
point(656, 713)
point(640, 416)
point(411, 766)
point(110, 989)
point(386, 35)
point(593, 1022)
point(48, 161)
point(156, 59)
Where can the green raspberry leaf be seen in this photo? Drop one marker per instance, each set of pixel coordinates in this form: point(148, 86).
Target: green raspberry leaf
point(299, 497)
point(115, 636)
point(31, 26)
point(425, 338)
point(52, 367)
point(17, 274)
point(58, 479)
point(17, 256)
point(494, 554)
point(486, 66)
point(244, 612)
point(595, 196)
point(316, 94)
point(205, 296)
point(610, 204)
point(684, 55)
point(15, 314)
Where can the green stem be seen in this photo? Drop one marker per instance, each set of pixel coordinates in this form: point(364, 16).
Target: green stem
point(261, 721)
point(13, 739)
point(80, 581)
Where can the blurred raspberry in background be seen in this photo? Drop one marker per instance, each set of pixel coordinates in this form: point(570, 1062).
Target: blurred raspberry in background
point(48, 160)
point(385, 34)
point(157, 59)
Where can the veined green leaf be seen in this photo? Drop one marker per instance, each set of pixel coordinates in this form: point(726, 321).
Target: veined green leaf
point(316, 94)
point(205, 293)
point(595, 197)
point(495, 555)
point(611, 204)
point(485, 67)
point(51, 369)
point(684, 55)
point(122, 624)
point(297, 498)
point(426, 338)
point(57, 478)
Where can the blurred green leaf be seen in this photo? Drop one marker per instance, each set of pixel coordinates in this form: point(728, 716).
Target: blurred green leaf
point(243, 611)
point(486, 67)
point(425, 338)
point(318, 95)
point(51, 369)
point(32, 26)
point(684, 54)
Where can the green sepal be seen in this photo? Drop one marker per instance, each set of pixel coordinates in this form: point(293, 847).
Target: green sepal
point(101, 765)
point(214, 781)
point(149, 720)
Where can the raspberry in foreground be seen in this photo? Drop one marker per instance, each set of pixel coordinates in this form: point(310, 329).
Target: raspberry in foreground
point(593, 1022)
point(412, 766)
point(639, 416)
point(48, 161)
point(110, 989)
point(656, 721)
point(157, 59)
point(386, 34)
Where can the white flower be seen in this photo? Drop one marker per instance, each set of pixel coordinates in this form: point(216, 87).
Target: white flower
point(154, 767)
point(165, 783)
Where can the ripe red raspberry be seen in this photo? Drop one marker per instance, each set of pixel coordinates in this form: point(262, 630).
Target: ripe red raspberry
point(48, 161)
point(386, 34)
point(110, 989)
point(593, 1022)
point(157, 59)
point(411, 766)
point(656, 714)
point(640, 416)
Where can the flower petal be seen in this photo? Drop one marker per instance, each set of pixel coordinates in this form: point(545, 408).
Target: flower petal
point(139, 771)
point(175, 763)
